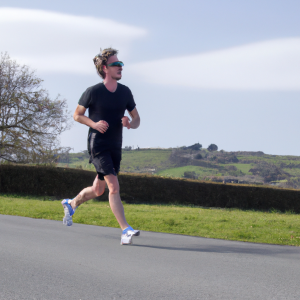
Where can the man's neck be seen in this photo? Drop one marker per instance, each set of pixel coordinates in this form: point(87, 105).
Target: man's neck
point(111, 84)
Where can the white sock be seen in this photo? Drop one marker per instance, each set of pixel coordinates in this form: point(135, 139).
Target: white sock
point(69, 201)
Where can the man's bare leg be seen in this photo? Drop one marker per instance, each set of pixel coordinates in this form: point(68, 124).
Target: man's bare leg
point(89, 193)
point(115, 200)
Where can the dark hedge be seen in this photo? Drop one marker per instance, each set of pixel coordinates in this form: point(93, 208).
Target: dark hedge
point(41, 180)
point(139, 188)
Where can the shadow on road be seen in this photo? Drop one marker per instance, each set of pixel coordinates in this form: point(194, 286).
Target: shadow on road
point(255, 249)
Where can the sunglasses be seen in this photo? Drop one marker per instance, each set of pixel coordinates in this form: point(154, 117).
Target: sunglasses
point(116, 64)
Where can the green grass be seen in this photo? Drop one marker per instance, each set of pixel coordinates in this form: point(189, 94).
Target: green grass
point(203, 171)
point(273, 159)
point(157, 161)
point(242, 167)
point(293, 172)
point(139, 161)
point(132, 161)
point(179, 172)
point(230, 224)
point(81, 164)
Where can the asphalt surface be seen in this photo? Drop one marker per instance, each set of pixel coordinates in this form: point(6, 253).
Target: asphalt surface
point(43, 259)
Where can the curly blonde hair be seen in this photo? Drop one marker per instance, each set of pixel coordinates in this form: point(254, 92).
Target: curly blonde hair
point(101, 59)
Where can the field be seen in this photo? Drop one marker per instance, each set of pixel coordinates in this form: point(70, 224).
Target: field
point(246, 167)
point(179, 172)
point(143, 161)
point(230, 224)
point(243, 168)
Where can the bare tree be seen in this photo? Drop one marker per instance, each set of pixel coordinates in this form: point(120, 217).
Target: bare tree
point(30, 121)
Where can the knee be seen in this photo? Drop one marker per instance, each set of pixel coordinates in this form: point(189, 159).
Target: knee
point(114, 189)
point(98, 191)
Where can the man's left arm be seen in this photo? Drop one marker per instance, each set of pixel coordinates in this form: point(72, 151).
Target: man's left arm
point(135, 122)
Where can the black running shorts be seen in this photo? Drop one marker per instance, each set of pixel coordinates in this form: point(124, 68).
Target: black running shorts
point(107, 162)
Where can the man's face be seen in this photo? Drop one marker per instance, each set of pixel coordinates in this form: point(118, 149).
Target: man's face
point(114, 71)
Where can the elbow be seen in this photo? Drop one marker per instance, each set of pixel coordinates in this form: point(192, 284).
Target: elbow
point(75, 117)
point(138, 122)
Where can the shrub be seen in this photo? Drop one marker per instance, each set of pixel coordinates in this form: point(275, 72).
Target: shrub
point(212, 147)
point(190, 174)
point(41, 180)
point(269, 172)
point(231, 168)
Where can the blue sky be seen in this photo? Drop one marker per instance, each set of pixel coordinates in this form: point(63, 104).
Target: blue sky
point(223, 72)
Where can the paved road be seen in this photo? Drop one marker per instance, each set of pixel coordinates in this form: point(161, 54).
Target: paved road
point(42, 259)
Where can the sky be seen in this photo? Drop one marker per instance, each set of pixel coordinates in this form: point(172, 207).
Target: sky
point(222, 72)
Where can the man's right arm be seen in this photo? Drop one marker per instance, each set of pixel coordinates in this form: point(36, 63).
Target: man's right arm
point(79, 116)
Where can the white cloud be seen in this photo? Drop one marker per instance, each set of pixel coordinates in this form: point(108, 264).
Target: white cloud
point(268, 65)
point(50, 41)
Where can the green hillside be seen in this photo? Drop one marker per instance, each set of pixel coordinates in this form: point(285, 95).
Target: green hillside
point(133, 161)
point(186, 162)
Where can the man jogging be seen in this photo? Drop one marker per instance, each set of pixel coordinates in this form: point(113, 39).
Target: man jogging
point(107, 102)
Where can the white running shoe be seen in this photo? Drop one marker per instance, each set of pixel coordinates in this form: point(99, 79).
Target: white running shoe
point(69, 212)
point(128, 233)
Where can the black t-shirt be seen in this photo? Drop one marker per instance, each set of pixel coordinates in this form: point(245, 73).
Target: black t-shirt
point(110, 107)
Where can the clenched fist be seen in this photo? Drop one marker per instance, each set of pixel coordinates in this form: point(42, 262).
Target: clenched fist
point(101, 126)
point(126, 122)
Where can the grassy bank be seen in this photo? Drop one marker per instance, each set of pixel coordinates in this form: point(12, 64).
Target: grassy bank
point(230, 224)
point(179, 172)
point(132, 161)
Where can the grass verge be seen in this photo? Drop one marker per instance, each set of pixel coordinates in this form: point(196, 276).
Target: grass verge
point(231, 224)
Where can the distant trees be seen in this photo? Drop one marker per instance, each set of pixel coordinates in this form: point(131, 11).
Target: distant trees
point(30, 121)
point(64, 157)
point(224, 158)
point(269, 172)
point(195, 147)
point(293, 183)
point(85, 154)
point(190, 174)
point(212, 147)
